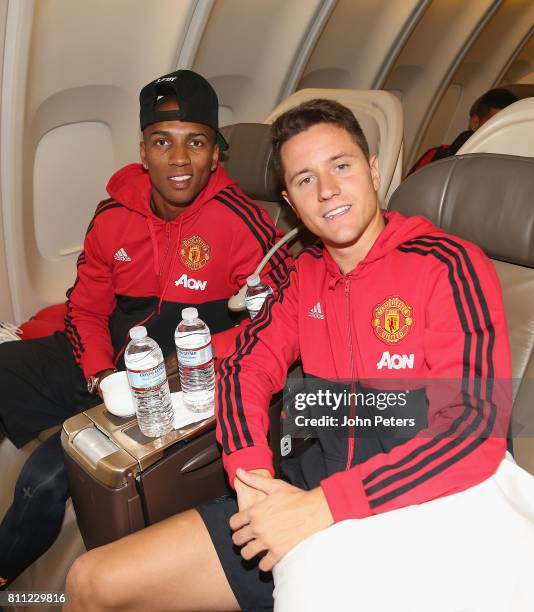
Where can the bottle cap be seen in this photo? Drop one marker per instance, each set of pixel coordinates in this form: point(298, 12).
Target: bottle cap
point(136, 333)
point(253, 280)
point(188, 314)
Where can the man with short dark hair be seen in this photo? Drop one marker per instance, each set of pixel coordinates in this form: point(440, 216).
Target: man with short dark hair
point(388, 305)
point(483, 109)
point(175, 232)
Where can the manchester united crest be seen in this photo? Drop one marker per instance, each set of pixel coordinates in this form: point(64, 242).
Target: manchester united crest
point(195, 252)
point(392, 320)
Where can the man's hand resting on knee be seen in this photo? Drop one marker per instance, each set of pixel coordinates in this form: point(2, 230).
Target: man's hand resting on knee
point(282, 516)
point(246, 495)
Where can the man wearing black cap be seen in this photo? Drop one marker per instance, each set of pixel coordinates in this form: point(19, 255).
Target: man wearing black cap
point(175, 232)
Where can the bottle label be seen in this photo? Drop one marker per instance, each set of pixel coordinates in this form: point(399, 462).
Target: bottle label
point(254, 303)
point(147, 380)
point(194, 357)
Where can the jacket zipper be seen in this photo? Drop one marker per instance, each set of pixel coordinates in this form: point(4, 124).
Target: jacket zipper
point(163, 271)
point(352, 412)
point(160, 277)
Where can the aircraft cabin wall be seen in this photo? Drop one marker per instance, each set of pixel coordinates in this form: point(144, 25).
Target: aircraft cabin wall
point(72, 70)
point(6, 309)
point(490, 61)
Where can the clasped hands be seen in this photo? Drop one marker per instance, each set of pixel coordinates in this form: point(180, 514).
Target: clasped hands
point(274, 516)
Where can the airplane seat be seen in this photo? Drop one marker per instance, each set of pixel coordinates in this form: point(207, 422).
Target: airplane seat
point(487, 199)
point(249, 162)
point(510, 131)
point(381, 117)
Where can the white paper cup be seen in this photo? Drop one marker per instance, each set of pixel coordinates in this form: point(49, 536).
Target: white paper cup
point(117, 394)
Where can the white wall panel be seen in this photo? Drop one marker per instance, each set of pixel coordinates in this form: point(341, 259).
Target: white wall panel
point(79, 62)
point(430, 57)
point(522, 63)
point(248, 49)
point(359, 39)
point(528, 79)
point(6, 307)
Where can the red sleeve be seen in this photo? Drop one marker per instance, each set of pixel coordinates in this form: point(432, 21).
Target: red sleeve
point(468, 388)
point(245, 384)
point(90, 302)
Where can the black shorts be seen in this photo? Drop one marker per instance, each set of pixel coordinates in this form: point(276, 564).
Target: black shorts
point(252, 588)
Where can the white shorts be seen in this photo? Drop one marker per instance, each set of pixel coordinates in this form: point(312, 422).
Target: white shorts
point(469, 552)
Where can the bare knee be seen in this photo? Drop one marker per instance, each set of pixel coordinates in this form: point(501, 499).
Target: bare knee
point(88, 587)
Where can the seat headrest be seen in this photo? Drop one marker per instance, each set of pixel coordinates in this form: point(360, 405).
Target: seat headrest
point(249, 160)
point(483, 197)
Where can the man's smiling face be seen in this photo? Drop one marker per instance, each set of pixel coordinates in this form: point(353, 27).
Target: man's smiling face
point(332, 186)
point(180, 157)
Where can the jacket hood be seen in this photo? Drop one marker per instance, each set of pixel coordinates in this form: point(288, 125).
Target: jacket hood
point(398, 229)
point(131, 187)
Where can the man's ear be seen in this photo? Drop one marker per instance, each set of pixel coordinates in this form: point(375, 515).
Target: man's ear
point(214, 157)
point(474, 122)
point(375, 172)
point(142, 154)
point(286, 197)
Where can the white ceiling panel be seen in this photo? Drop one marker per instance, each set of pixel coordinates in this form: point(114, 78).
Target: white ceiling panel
point(359, 41)
point(249, 48)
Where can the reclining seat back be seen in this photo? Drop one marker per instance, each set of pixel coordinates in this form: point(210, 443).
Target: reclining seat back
point(381, 118)
point(249, 162)
point(487, 199)
point(510, 131)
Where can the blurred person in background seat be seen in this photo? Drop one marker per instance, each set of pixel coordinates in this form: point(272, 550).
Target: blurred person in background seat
point(488, 105)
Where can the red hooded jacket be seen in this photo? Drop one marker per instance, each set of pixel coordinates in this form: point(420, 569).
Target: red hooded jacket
point(417, 333)
point(137, 269)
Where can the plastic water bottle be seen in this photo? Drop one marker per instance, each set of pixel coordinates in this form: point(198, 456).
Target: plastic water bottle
point(195, 362)
point(257, 291)
point(148, 381)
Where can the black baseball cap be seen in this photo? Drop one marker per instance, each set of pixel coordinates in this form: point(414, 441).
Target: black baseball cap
point(197, 102)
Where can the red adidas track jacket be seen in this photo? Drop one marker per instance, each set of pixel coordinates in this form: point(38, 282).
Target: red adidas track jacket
point(421, 314)
point(137, 269)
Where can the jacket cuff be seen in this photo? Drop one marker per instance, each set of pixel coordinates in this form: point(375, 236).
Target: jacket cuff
point(345, 495)
point(250, 458)
point(93, 363)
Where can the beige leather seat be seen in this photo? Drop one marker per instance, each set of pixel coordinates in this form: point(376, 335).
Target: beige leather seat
point(249, 162)
point(381, 117)
point(487, 199)
point(510, 131)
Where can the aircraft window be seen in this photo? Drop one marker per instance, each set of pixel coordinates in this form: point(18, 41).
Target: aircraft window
point(71, 168)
